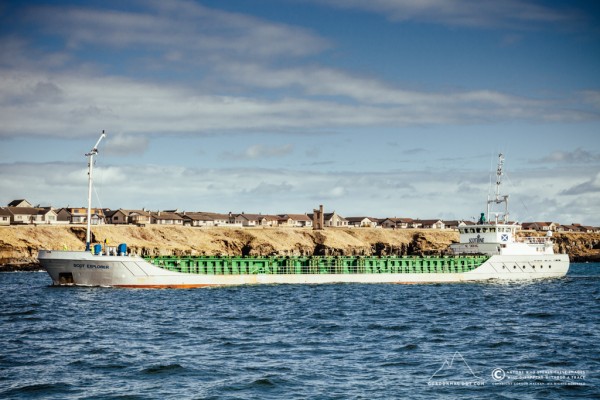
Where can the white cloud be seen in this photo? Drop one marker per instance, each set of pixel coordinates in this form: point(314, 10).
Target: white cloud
point(420, 193)
point(592, 185)
point(126, 145)
point(507, 13)
point(64, 105)
point(577, 156)
point(261, 151)
point(179, 28)
point(225, 57)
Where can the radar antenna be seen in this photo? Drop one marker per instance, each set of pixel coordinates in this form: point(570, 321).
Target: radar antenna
point(499, 198)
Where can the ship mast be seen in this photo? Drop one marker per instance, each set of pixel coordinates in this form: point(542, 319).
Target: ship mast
point(90, 156)
point(499, 198)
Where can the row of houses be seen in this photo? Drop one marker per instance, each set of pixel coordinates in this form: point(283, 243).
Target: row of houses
point(22, 212)
point(556, 227)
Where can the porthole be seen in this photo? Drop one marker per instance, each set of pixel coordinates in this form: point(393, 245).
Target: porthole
point(514, 267)
point(533, 266)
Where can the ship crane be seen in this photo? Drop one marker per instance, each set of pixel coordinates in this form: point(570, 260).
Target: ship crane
point(90, 156)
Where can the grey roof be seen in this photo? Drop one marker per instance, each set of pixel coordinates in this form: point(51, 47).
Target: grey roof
point(15, 203)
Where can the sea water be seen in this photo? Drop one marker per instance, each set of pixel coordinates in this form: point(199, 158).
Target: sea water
point(537, 340)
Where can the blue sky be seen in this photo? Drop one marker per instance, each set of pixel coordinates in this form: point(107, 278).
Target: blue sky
point(382, 108)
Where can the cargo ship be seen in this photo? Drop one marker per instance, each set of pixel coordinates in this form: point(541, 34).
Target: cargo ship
point(486, 251)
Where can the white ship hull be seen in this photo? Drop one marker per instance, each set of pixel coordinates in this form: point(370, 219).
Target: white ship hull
point(84, 269)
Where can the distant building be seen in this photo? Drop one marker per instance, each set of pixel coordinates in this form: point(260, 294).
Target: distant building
point(540, 226)
point(79, 215)
point(294, 220)
point(453, 224)
point(117, 217)
point(165, 218)
point(333, 220)
point(250, 220)
point(396, 223)
point(204, 219)
point(362, 222)
point(20, 203)
point(4, 216)
point(31, 215)
point(429, 224)
point(63, 216)
point(139, 217)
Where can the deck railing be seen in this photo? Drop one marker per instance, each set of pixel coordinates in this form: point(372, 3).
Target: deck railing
point(534, 239)
point(209, 265)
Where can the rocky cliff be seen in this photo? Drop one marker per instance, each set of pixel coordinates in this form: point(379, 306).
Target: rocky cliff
point(19, 244)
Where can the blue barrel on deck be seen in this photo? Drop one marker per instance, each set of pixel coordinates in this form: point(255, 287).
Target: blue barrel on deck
point(122, 249)
point(97, 248)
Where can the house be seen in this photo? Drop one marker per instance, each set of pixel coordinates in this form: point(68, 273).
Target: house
point(20, 203)
point(79, 215)
point(22, 215)
point(48, 215)
point(63, 216)
point(122, 217)
point(294, 220)
point(197, 219)
point(250, 220)
point(332, 219)
point(285, 220)
point(362, 222)
point(540, 226)
point(208, 219)
point(429, 224)
point(31, 215)
point(585, 228)
point(165, 218)
point(223, 219)
point(117, 217)
point(569, 228)
point(4, 216)
point(139, 217)
point(454, 224)
point(396, 223)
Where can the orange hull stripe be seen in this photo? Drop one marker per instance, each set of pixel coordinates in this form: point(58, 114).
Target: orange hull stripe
point(182, 286)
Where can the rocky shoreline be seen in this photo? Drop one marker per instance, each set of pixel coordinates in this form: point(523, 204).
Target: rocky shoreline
point(19, 244)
